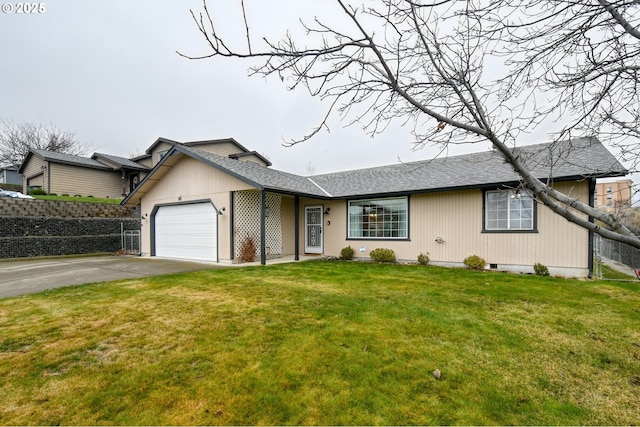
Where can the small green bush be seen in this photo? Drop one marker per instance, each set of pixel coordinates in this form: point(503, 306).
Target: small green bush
point(423, 259)
point(383, 255)
point(347, 253)
point(38, 192)
point(474, 262)
point(540, 269)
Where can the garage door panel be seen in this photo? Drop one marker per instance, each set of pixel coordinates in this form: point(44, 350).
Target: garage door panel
point(186, 231)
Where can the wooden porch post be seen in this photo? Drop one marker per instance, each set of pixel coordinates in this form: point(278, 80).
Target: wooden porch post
point(297, 230)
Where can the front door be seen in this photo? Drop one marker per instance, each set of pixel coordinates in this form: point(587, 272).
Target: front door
point(313, 230)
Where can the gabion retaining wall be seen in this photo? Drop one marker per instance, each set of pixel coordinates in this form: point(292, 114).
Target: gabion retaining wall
point(47, 228)
point(10, 206)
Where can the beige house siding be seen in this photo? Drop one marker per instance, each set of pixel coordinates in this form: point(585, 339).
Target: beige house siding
point(34, 181)
point(34, 174)
point(287, 211)
point(455, 219)
point(190, 180)
point(220, 148)
point(76, 180)
point(146, 161)
point(161, 148)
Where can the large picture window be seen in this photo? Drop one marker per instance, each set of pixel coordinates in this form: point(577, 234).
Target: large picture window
point(510, 210)
point(379, 219)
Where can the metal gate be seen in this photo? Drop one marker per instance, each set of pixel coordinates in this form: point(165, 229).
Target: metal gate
point(131, 242)
point(597, 257)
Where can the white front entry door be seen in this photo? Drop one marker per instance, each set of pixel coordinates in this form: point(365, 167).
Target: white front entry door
point(313, 230)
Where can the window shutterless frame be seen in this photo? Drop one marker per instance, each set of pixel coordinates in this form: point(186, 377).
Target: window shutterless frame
point(378, 219)
point(509, 211)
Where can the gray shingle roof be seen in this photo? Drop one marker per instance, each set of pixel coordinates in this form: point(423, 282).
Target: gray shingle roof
point(121, 161)
point(563, 160)
point(255, 174)
point(583, 157)
point(70, 159)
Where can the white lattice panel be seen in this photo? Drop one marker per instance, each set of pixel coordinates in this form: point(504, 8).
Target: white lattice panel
point(247, 221)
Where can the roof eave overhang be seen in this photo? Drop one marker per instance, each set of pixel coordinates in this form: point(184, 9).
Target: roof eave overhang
point(497, 184)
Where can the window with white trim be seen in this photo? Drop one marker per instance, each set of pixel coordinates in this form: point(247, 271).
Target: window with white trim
point(509, 210)
point(379, 219)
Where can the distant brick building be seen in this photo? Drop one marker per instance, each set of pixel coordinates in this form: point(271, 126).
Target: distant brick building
point(614, 194)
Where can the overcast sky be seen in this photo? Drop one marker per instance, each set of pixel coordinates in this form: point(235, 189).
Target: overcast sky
point(108, 71)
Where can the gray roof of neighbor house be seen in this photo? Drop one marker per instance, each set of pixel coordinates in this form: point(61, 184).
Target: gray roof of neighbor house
point(66, 159)
point(88, 162)
point(120, 161)
point(574, 159)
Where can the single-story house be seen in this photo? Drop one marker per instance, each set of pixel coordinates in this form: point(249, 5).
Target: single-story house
point(101, 175)
point(9, 174)
point(204, 205)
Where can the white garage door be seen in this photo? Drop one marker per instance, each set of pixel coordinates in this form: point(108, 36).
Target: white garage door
point(187, 231)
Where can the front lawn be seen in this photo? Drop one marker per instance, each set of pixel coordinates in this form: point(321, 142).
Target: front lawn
point(324, 343)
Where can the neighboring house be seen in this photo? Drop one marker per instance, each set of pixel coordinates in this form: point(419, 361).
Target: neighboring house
point(9, 174)
point(100, 175)
point(203, 205)
point(614, 194)
point(105, 175)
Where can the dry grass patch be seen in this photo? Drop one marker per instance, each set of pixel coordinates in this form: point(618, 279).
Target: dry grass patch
point(323, 343)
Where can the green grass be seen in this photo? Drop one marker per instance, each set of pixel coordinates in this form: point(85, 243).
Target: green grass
point(80, 199)
point(611, 274)
point(324, 343)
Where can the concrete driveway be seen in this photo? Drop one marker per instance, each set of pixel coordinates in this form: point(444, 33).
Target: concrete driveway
point(19, 277)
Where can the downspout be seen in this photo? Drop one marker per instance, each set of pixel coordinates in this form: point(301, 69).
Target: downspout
point(297, 226)
point(263, 218)
point(591, 249)
point(47, 173)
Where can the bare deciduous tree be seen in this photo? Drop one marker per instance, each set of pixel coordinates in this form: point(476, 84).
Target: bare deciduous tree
point(465, 72)
point(17, 139)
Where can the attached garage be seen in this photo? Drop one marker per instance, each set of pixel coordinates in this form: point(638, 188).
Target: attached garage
point(187, 231)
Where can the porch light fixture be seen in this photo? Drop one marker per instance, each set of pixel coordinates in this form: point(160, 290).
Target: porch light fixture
point(326, 211)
